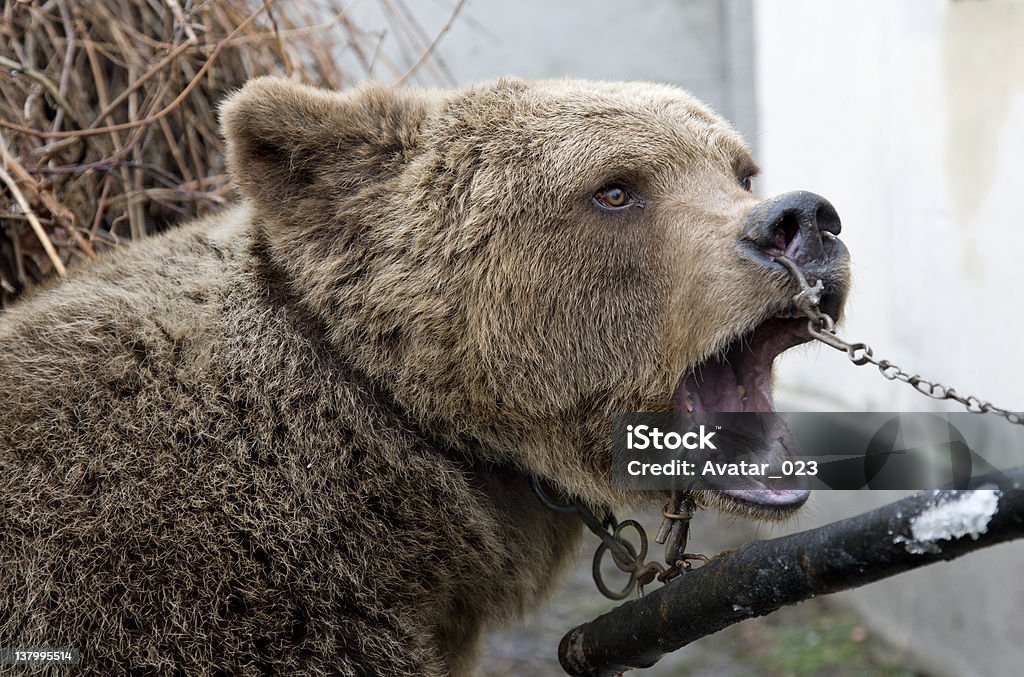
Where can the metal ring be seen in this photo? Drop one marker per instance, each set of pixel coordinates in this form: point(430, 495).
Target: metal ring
point(854, 348)
point(599, 579)
point(638, 556)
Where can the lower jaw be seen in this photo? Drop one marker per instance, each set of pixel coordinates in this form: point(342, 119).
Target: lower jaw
point(758, 505)
point(739, 380)
point(780, 498)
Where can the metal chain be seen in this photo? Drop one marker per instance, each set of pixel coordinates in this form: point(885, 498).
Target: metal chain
point(628, 558)
point(822, 327)
point(674, 533)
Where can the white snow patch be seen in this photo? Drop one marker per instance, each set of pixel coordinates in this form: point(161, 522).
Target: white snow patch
point(968, 514)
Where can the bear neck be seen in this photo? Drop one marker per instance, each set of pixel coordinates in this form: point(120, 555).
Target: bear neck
point(342, 320)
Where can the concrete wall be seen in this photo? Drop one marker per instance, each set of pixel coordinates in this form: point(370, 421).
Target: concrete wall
point(702, 45)
point(909, 116)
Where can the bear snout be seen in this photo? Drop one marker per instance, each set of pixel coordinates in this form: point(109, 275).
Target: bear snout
point(797, 224)
point(804, 227)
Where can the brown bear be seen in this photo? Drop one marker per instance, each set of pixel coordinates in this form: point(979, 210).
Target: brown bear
point(298, 437)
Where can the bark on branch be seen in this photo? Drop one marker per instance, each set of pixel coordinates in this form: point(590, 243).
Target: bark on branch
point(762, 576)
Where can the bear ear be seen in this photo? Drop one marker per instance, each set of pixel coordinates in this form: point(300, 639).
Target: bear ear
point(289, 142)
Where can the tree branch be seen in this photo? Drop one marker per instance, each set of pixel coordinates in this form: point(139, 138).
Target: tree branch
point(762, 576)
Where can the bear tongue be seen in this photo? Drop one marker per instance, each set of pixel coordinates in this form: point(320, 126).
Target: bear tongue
point(740, 379)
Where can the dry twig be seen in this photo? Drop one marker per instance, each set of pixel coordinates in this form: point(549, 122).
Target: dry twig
point(110, 111)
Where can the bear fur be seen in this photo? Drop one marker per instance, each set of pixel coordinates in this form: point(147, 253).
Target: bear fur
point(297, 436)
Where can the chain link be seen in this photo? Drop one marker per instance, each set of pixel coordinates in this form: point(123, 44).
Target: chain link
point(822, 327)
point(628, 558)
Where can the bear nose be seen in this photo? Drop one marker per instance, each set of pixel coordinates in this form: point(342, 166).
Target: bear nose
point(792, 223)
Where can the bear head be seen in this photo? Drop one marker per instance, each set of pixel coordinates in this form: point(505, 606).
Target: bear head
point(517, 260)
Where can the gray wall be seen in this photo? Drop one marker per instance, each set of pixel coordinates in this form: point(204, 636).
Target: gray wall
point(702, 45)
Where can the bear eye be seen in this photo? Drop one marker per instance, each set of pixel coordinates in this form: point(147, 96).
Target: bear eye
point(747, 182)
point(614, 197)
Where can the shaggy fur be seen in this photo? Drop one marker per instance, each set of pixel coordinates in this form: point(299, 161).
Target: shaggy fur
point(296, 437)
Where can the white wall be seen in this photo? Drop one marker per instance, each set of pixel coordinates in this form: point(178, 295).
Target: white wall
point(909, 117)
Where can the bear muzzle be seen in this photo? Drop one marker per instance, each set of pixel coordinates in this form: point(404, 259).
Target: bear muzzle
point(804, 227)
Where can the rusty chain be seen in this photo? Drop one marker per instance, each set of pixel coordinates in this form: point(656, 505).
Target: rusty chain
point(822, 327)
point(627, 557)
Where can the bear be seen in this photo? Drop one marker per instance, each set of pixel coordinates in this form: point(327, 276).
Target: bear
point(299, 436)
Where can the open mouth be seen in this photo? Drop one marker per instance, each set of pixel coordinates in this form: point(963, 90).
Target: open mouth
point(739, 379)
